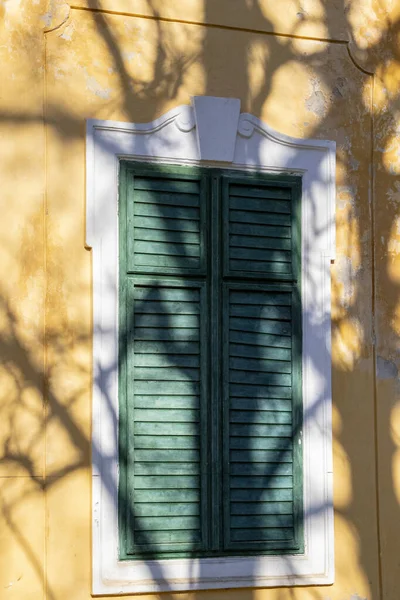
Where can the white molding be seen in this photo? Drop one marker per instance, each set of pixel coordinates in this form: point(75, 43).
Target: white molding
point(174, 138)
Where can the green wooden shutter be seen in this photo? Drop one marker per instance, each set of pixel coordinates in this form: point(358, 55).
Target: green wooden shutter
point(209, 283)
point(262, 367)
point(164, 504)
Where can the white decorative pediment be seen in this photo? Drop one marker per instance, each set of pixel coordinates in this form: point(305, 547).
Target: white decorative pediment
point(212, 132)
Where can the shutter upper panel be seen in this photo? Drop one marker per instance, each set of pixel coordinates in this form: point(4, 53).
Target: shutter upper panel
point(260, 229)
point(165, 224)
point(166, 380)
point(262, 395)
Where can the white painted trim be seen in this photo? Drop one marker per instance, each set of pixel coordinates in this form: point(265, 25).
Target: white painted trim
point(174, 138)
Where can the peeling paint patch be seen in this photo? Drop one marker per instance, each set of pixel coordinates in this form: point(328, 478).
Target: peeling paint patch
point(316, 103)
point(394, 194)
point(394, 247)
point(385, 369)
point(93, 85)
point(346, 274)
point(68, 32)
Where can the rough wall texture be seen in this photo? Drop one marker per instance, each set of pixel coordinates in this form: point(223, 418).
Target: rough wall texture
point(311, 69)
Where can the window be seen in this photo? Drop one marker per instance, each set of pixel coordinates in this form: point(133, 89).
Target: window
point(211, 291)
point(210, 363)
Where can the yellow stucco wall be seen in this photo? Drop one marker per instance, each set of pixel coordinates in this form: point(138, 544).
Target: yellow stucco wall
point(309, 69)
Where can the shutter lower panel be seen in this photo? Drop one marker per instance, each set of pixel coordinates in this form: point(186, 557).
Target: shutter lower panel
point(167, 488)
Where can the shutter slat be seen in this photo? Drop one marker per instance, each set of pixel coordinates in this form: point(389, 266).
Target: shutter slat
point(169, 522)
point(166, 374)
point(263, 378)
point(270, 520)
point(260, 391)
point(168, 347)
point(263, 456)
point(243, 216)
point(261, 535)
point(160, 468)
point(178, 388)
point(261, 339)
point(182, 428)
point(257, 265)
point(167, 402)
point(167, 496)
point(153, 335)
point(166, 224)
point(163, 509)
point(260, 496)
point(260, 405)
point(168, 212)
point(171, 538)
point(251, 241)
point(259, 443)
point(260, 469)
point(261, 298)
point(260, 326)
point(260, 364)
point(285, 482)
point(164, 455)
point(254, 205)
point(177, 198)
point(265, 431)
point(261, 508)
point(260, 191)
point(241, 350)
point(154, 183)
point(175, 248)
point(247, 416)
point(173, 260)
point(155, 235)
point(264, 312)
point(148, 482)
point(259, 232)
point(167, 442)
point(175, 308)
point(165, 415)
point(166, 360)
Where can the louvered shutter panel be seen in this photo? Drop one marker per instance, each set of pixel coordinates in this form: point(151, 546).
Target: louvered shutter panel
point(262, 369)
point(166, 367)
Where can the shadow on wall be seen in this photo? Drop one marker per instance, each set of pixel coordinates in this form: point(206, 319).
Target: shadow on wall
point(65, 381)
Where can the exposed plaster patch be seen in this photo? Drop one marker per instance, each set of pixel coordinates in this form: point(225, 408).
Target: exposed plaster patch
point(68, 32)
point(58, 73)
point(346, 274)
point(385, 369)
point(346, 195)
point(94, 86)
point(316, 101)
point(56, 15)
point(10, 6)
point(394, 194)
point(354, 164)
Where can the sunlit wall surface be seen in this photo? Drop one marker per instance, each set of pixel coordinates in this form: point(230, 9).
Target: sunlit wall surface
point(310, 69)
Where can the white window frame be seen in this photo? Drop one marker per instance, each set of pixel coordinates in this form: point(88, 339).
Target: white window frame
point(212, 131)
